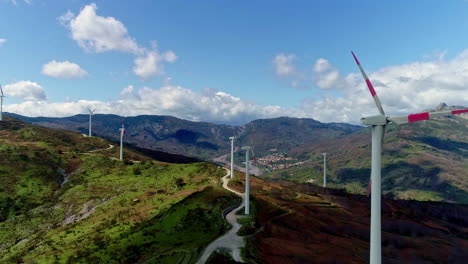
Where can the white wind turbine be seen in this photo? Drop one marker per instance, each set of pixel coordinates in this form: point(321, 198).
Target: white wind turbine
point(247, 176)
point(91, 112)
point(324, 170)
point(377, 124)
point(232, 156)
point(1, 103)
point(122, 132)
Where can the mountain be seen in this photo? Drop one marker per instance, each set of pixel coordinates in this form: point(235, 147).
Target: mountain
point(201, 139)
point(425, 161)
point(65, 198)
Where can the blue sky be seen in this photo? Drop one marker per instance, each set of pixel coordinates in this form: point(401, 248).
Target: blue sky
point(231, 61)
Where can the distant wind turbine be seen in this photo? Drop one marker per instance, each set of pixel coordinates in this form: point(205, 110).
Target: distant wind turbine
point(377, 124)
point(122, 132)
point(247, 176)
point(1, 103)
point(91, 112)
point(324, 170)
point(232, 156)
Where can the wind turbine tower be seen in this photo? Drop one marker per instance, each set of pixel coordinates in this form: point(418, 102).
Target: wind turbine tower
point(232, 156)
point(122, 132)
point(247, 181)
point(324, 170)
point(247, 176)
point(378, 124)
point(1, 103)
point(91, 112)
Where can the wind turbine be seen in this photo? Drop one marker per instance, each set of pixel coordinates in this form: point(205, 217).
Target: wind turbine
point(232, 156)
point(1, 103)
point(324, 170)
point(377, 124)
point(122, 132)
point(91, 112)
point(247, 176)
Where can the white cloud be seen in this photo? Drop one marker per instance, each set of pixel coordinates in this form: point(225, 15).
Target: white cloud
point(26, 90)
point(403, 89)
point(209, 105)
point(2, 41)
point(127, 90)
point(150, 63)
point(326, 76)
point(98, 34)
point(63, 69)
point(284, 65)
point(65, 19)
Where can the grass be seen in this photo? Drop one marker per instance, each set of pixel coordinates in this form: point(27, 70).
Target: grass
point(132, 216)
point(109, 211)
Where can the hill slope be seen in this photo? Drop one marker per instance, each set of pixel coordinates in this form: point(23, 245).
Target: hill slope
point(426, 161)
point(302, 223)
point(200, 139)
point(65, 198)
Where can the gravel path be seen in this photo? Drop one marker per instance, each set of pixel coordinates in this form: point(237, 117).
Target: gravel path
point(230, 240)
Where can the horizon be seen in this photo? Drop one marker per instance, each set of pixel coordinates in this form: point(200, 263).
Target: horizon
point(201, 62)
point(221, 123)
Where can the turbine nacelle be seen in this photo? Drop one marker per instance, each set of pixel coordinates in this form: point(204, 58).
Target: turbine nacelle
point(378, 120)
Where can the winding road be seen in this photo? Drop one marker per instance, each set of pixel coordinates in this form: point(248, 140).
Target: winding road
point(230, 240)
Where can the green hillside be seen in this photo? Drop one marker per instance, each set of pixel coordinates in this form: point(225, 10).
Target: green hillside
point(65, 198)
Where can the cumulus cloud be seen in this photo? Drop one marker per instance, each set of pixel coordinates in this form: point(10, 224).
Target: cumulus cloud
point(2, 41)
point(63, 69)
point(98, 34)
point(326, 76)
point(26, 90)
point(323, 75)
point(127, 90)
point(403, 89)
point(65, 19)
point(208, 105)
point(284, 65)
point(150, 63)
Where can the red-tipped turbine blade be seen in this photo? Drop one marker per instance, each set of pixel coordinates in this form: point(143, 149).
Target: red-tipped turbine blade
point(424, 116)
point(370, 86)
point(253, 155)
point(369, 186)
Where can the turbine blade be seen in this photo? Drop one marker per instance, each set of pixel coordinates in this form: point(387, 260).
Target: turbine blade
point(1, 90)
point(370, 86)
point(423, 116)
point(253, 155)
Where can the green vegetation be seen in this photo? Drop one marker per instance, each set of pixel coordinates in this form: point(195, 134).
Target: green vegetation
point(420, 161)
point(107, 211)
